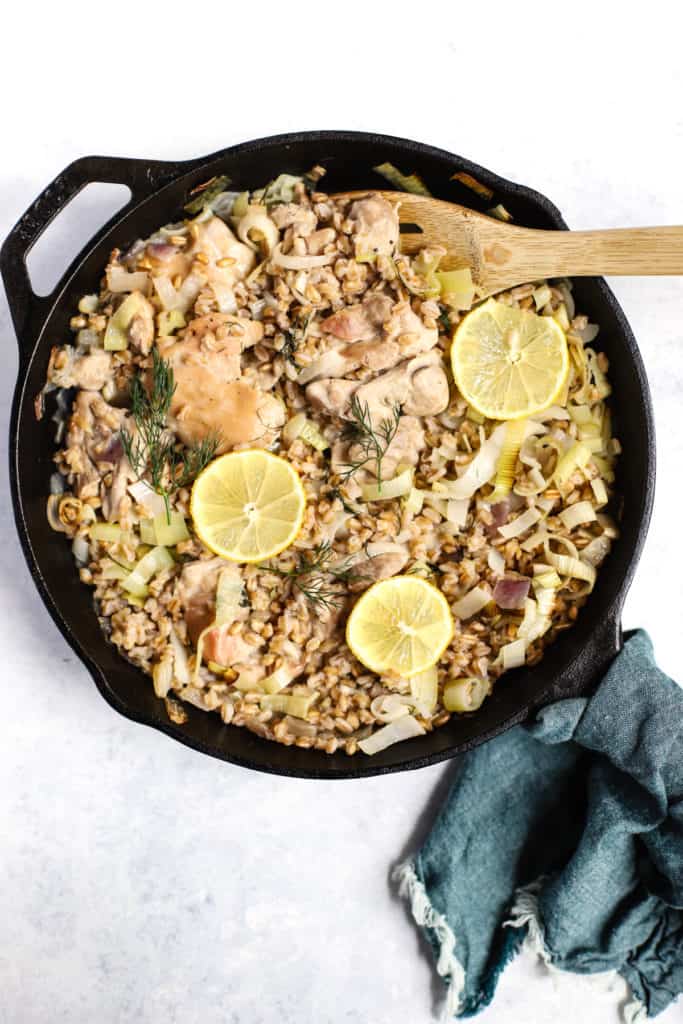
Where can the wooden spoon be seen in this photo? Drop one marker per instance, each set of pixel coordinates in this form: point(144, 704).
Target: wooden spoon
point(502, 255)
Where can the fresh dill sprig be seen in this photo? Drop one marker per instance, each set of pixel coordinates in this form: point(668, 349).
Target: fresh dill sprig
point(445, 320)
point(317, 577)
point(372, 440)
point(153, 450)
point(295, 337)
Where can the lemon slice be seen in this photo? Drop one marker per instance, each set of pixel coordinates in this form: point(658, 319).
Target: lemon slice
point(509, 363)
point(401, 625)
point(248, 506)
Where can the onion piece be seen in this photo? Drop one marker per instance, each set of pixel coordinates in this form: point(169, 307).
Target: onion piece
point(511, 591)
point(144, 495)
point(402, 729)
point(291, 262)
point(476, 599)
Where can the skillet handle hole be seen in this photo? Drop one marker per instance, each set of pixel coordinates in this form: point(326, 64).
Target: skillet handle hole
point(70, 231)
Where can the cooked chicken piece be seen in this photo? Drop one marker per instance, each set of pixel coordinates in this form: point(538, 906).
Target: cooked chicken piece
point(376, 227)
point(380, 337)
point(216, 240)
point(301, 219)
point(270, 415)
point(375, 355)
point(429, 392)
point(210, 399)
point(225, 649)
point(332, 395)
point(316, 242)
point(406, 445)
point(67, 369)
point(362, 322)
point(418, 385)
point(229, 261)
point(215, 327)
point(405, 327)
point(196, 591)
point(405, 448)
point(141, 327)
point(94, 450)
point(386, 559)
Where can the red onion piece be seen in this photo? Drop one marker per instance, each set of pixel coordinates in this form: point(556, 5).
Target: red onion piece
point(161, 250)
point(511, 591)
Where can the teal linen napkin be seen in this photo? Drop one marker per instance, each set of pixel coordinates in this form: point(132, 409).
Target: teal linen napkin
point(566, 832)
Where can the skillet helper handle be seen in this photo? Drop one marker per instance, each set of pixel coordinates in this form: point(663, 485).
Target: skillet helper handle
point(143, 177)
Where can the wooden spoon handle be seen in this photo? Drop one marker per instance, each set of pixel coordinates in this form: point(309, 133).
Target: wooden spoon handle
point(638, 251)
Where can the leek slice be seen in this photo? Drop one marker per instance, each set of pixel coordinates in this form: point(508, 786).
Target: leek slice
point(301, 427)
point(599, 490)
point(576, 458)
point(424, 688)
point(406, 182)
point(111, 533)
point(541, 296)
point(512, 655)
point(473, 602)
point(116, 332)
point(515, 431)
point(278, 679)
point(149, 565)
point(578, 514)
point(228, 600)
point(521, 524)
point(402, 729)
point(147, 532)
point(457, 288)
point(170, 534)
point(414, 501)
point(466, 694)
point(297, 705)
point(170, 321)
point(395, 488)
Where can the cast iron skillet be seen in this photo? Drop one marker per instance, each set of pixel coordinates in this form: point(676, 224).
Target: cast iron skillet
point(571, 666)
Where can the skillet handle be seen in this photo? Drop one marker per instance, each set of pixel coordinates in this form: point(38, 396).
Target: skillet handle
point(141, 176)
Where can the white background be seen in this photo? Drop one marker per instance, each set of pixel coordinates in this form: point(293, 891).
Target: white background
point(139, 880)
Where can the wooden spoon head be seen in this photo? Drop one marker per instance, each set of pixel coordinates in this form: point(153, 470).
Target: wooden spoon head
point(470, 239)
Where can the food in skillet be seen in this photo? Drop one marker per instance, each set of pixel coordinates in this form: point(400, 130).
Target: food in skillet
point(316, 486)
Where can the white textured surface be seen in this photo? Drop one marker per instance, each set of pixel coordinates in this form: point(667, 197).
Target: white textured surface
point(140, 881)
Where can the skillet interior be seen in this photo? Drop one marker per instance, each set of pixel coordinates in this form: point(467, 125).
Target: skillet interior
point(569, 667)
